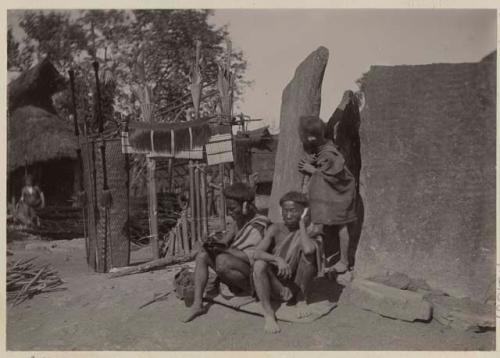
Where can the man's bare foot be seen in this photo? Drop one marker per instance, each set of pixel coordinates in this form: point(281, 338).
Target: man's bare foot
point(270, 325)
point(302, 310)
point(194, 312)
point(340, 267)
point(286, 294)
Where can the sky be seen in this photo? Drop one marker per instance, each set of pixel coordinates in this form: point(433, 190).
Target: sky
point(274, 43)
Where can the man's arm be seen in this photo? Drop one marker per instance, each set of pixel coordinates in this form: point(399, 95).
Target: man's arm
point(308, 246)
point(262, 254)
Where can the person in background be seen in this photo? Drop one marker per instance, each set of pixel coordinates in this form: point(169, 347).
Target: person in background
point(32, 199)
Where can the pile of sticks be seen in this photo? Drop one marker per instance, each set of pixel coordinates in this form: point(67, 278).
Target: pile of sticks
point(24, 280)
point(178, 242)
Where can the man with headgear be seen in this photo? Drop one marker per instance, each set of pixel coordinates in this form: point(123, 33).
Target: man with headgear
point(286, 260)
point(230, 257)
point(331, 189)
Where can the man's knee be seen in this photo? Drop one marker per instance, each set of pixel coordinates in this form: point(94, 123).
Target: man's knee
point(260, 268)
point(202, 258)
point(222, 264)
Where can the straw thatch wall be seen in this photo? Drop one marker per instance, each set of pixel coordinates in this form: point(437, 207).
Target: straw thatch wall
point(37, 135)
point(428, 148)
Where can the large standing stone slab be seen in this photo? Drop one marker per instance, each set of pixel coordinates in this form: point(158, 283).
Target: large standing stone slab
point(388, 301)
point(428, 148)
point(302, 96)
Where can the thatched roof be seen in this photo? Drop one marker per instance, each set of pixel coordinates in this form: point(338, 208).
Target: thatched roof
point(37, 135)
point(35, 87)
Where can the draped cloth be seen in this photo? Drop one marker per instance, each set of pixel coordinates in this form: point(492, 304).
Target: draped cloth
point(288, 247)
point(332, 189)
point(250, 235)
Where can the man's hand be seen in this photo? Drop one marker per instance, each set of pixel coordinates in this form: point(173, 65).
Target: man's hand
point(305, 166)
point(283, 268)
point(304, 215)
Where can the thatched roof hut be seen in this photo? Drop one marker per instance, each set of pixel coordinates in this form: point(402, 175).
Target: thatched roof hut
point(36, 135)
point(35, 87)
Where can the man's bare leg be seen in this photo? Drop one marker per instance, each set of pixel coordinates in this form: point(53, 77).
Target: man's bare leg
point(263, 288)
point(341, 266)
point(203, 261)
point(306, 272)
point(282, 292)
point(233, 271)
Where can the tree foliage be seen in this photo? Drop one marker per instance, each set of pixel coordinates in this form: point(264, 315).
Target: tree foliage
point(114, 37)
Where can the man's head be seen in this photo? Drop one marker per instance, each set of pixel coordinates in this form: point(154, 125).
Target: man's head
point(311, 132)
point(292, 206)
point(239, 200)
point(28, 181)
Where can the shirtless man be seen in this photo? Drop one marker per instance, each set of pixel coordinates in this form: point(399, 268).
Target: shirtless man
point(230, 257)
point(286, 261)
point(32, 198)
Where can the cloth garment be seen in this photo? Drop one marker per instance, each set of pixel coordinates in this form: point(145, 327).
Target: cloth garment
point(332, 189)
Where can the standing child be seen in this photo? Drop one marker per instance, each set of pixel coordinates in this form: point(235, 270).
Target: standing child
point(331, 189)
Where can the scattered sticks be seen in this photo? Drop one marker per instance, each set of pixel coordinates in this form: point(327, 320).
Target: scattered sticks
point(24, 281)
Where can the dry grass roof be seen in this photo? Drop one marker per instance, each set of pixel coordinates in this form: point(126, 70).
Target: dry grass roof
point(37, 135)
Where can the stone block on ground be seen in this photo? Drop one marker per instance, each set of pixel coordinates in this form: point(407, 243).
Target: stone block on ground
point(395, 279)
point(387, 301)
point(462, 313)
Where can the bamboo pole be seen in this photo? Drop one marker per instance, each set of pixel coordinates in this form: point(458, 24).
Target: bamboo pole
point(178, 238)
point(152, 205)
point(222, 209)
point(170, 174)
point(203, 194)
point(192, 208)
point(185, 234)
point(198, 202)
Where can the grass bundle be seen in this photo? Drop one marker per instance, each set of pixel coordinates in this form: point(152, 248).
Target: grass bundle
point(24, 281)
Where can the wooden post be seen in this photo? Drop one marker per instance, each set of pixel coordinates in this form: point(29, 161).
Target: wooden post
point(203, 194)
point(185, 234)
point(231, 175)
point(170, 174)
point(198, 202)
point(153, 209)
point(222, 209)
point(192, 209)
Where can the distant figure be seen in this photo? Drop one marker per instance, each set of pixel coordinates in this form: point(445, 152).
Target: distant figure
point(32, 198)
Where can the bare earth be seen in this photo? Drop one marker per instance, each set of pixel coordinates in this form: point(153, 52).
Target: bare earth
point(99, 313)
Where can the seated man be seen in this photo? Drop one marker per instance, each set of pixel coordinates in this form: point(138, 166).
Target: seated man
point(230, 256)
point(286, 260)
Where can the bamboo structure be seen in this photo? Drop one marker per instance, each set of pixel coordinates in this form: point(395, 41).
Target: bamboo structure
point(153, 210)
point(203, 195)
point(192, 209)
point(198, 202)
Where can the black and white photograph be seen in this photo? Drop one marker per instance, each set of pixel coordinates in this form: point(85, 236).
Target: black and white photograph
point(250, 179)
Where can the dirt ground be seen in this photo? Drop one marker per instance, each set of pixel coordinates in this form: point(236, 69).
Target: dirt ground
point(98, 313)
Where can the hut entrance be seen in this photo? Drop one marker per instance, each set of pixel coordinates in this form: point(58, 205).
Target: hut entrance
point(55, 177)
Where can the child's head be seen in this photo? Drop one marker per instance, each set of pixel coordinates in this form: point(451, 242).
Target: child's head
point(239, 199)
point(292, 206)
point(311, 131)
